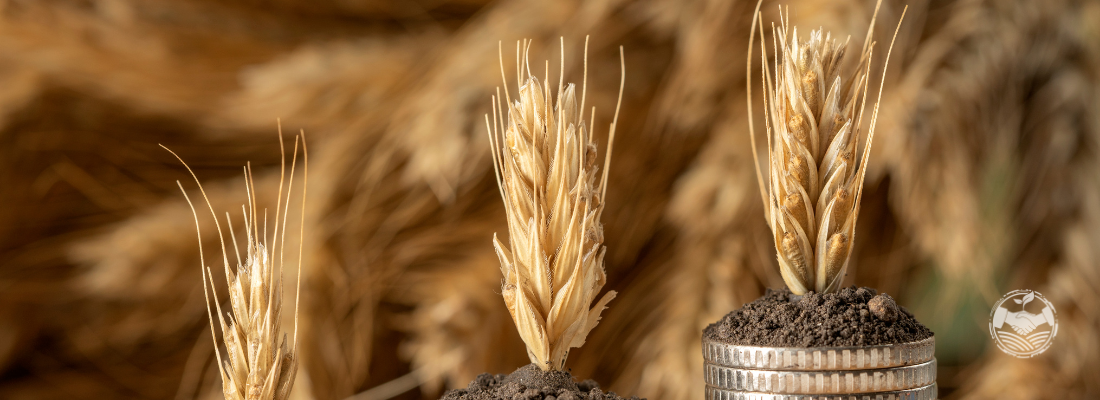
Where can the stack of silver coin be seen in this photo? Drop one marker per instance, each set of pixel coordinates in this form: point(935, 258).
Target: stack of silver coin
point(904, 371)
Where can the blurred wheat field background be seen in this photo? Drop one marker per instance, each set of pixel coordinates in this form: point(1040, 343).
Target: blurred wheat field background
point(985, 177)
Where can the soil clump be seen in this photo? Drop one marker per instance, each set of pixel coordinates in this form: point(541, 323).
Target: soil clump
point(531, 383)
point(781, 319)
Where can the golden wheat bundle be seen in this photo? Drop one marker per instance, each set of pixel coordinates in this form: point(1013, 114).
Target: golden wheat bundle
point(814, 114)
point(545, 160)
point(259, 365)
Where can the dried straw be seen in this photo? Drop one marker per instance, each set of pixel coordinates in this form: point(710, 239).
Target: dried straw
point(994, 177)
point(547, 163)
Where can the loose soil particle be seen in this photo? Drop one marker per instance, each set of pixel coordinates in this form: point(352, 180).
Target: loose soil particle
point(531, 383)
point(844, 318)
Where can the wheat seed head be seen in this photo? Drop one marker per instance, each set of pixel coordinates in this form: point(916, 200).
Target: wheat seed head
point(545, 160)
point(258, 364)
point(814, 110)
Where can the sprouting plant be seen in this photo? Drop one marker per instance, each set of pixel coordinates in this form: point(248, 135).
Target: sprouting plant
point(1026, 299)
point(545, 159)
point(814, 114)
point(259, 365)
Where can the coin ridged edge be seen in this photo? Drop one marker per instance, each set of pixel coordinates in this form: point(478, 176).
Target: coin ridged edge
point(819, 358)
point(845, 381)
point(929, 392)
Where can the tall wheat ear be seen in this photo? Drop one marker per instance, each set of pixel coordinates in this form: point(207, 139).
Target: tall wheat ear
point(259, 365)
point(545, 162)
point(814, 113)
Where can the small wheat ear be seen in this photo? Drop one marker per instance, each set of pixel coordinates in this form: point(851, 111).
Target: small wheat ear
point(258, 365)
point(544, 160)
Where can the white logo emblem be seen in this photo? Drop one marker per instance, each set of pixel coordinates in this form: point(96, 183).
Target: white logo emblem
point(1016, 327)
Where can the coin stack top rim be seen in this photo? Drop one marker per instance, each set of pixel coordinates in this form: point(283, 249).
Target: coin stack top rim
point(819, 358)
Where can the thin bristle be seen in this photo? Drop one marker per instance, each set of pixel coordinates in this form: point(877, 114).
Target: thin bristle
point(301, 242)
point(546, 164)
point(812, 195)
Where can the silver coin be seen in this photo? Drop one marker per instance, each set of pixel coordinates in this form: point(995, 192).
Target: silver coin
point(929, 392)
point(848, 381)
point(819, 358)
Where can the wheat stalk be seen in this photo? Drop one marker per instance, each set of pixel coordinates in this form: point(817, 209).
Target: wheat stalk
point(545, 161)
point(259, 365)
point(814, 113)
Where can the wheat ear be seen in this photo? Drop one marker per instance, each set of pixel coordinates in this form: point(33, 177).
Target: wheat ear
point(813, 117)
point(545, 161)
point(259, 365)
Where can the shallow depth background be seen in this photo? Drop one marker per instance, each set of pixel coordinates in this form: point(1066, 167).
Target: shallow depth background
point(985, 177)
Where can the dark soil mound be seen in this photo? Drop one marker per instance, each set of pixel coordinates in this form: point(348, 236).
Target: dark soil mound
point(781, 319)
point(531, 383)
